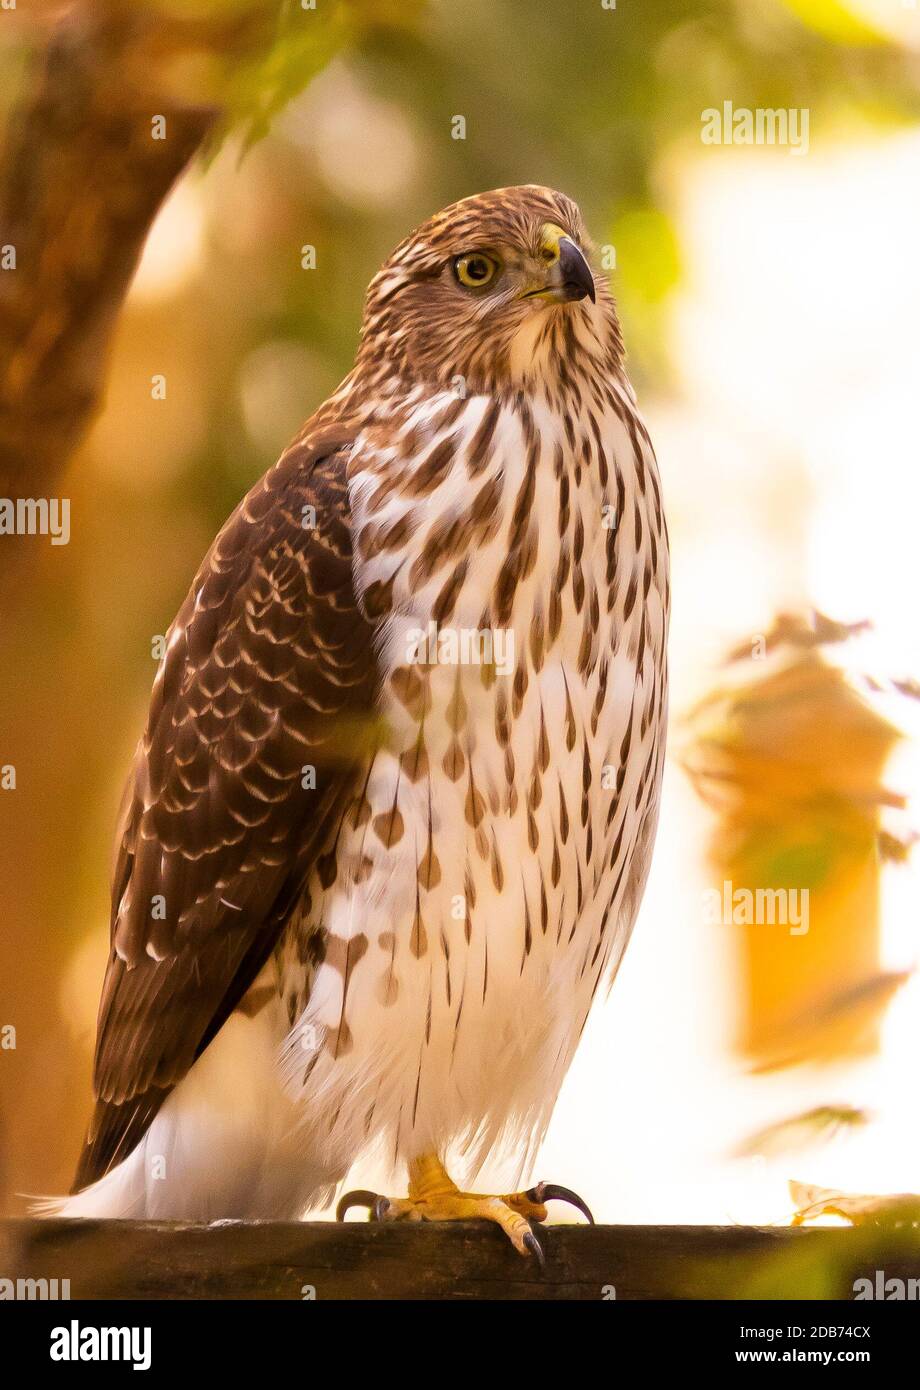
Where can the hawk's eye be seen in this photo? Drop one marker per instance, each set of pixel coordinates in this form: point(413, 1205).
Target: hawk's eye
point(475, 269)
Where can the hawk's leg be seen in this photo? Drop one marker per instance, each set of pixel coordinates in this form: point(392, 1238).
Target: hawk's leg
point(434, 1197)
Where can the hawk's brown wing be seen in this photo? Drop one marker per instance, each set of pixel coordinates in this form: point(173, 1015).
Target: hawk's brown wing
point(269, 671)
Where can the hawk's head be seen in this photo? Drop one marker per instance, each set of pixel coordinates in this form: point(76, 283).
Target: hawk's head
point(497, 290)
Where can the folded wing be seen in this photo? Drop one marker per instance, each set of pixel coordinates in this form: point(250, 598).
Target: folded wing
point(260, 721)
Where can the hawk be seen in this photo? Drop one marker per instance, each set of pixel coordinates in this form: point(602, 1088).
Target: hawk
point(391, 817)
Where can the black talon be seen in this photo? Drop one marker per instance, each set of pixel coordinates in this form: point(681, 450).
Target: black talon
point(380, 1209)
point(551, 1192)
point(535, 1248)
point(359, 1198)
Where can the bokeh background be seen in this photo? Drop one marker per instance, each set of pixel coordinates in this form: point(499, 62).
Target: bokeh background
point(770, 300)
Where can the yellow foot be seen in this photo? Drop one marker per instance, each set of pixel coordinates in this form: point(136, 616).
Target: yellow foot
point(433, 1197)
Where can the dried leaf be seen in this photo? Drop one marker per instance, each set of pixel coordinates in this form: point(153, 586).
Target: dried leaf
point(859, 1209)
point(892, 849)
point(818, 1033)
point(818, 1125)
point(814, 629)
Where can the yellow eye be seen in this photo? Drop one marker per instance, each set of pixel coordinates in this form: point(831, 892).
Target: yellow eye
point(475, 269)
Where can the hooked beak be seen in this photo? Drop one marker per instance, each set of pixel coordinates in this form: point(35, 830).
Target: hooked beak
point(569, 274)
point(574, 271)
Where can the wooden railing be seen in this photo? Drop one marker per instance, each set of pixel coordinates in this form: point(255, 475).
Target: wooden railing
point(322, 1260)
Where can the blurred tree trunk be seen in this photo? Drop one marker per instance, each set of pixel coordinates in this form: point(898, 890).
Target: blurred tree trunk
point(120, 96)
point(81, 181)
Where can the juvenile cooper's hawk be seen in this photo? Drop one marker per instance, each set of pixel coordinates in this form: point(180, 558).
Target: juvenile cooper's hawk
point(390, 821)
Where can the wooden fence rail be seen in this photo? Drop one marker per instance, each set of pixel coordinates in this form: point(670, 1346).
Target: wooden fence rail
point(268, 1260)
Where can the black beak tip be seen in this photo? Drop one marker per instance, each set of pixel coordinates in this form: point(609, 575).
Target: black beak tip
point(577, 278)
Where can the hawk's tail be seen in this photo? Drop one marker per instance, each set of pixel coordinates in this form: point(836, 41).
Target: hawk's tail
point(225, 1144)
point(121, 1193)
